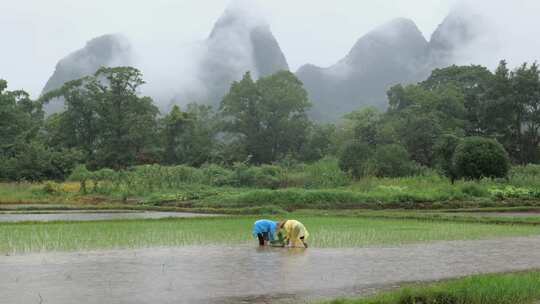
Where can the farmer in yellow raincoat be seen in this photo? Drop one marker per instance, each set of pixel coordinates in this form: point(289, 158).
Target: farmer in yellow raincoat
point(296, 233)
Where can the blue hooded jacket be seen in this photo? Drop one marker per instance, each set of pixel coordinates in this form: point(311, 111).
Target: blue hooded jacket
point(262, 226)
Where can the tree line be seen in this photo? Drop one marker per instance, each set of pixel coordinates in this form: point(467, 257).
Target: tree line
point(107, 124)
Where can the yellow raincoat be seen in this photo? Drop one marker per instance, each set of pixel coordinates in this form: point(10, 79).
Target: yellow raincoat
point(294, 230)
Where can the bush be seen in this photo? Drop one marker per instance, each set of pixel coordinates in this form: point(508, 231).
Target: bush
point(393, 161)
point(477, 157)
point(529, 170)
point(35, 161)
point(474, 190)
point(82, 175)
point(325, 174)
point(216, 176)
point(51, 188)
point(268, 176)
point(525, 176)
point(184, 174)
point(355, 159)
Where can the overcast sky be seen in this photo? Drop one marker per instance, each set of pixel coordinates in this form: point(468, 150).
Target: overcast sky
point(36, 34)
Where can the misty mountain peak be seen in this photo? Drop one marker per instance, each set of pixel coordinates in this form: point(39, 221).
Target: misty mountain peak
point(106, 50)
point(459, 29)
point(240, 41)
point(400, 37)
point(390, 54)
point(396, 27)
point(239, 16)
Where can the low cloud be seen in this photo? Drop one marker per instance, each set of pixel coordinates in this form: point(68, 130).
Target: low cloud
point(504, 30)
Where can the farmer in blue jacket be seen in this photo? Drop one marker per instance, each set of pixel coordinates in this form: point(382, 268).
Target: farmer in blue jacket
point(265, 231)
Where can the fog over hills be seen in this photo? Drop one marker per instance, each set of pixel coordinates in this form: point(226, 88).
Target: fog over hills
point(396, 52)
point(106, 50)
point(238, 43)
point(453, 36)
point(390, 54)
point(241, 40)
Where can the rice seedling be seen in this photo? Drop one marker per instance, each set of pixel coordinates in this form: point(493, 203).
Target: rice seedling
point(331, 231)
point(515, 288)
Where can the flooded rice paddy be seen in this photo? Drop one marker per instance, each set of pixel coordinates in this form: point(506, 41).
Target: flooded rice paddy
point(246, 274)
point(500, 214)
point(93, 216)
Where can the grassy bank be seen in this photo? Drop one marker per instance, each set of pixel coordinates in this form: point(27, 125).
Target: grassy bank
point(245, 190)
point(330, 231)
point(531, 216)
point(517, 288)
point(424, 193)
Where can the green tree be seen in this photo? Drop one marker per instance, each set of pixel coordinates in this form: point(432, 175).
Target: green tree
point(365, 124)
point(173, 126)
point(417, 132)
point(318, 143)
point(20, 118)
point(23, 153)
point(444, 152)
point(268, 116)
point(355, 159)
point(526, 96)
point(78, 126)
point(472, 82)
point(393, 161)
point(127, 122)
point(512, 111)
point(477, 157)
point(189, 137)
point(107, 119)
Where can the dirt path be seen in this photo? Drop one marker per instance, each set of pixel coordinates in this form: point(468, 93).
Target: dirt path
point(246, 274)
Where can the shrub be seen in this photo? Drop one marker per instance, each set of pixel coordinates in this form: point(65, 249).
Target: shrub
point(530, 169)
point(216, 176)
point(103, 175)
point(525, 176)
point(184, 174)
point(477, 157)
point(82, 175)
point(355, 159)
point(325, 174)
point(393, 161)
point(268, 176)
point(51, 188)
point(474, 190)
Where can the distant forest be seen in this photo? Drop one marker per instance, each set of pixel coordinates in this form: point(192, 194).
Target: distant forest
point(107, 124)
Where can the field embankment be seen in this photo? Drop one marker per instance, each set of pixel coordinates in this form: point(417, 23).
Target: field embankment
point(513, 288)
point(271, 190)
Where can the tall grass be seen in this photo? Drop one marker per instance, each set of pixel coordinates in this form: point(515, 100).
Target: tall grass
point(321, 185)
point(517, 288)
point(148, 178)
point(25, 193)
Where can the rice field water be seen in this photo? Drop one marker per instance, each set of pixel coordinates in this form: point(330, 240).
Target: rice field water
point(326, 232)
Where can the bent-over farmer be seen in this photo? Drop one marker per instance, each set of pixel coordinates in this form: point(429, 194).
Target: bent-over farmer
point(265, 231)
point(296, 233)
